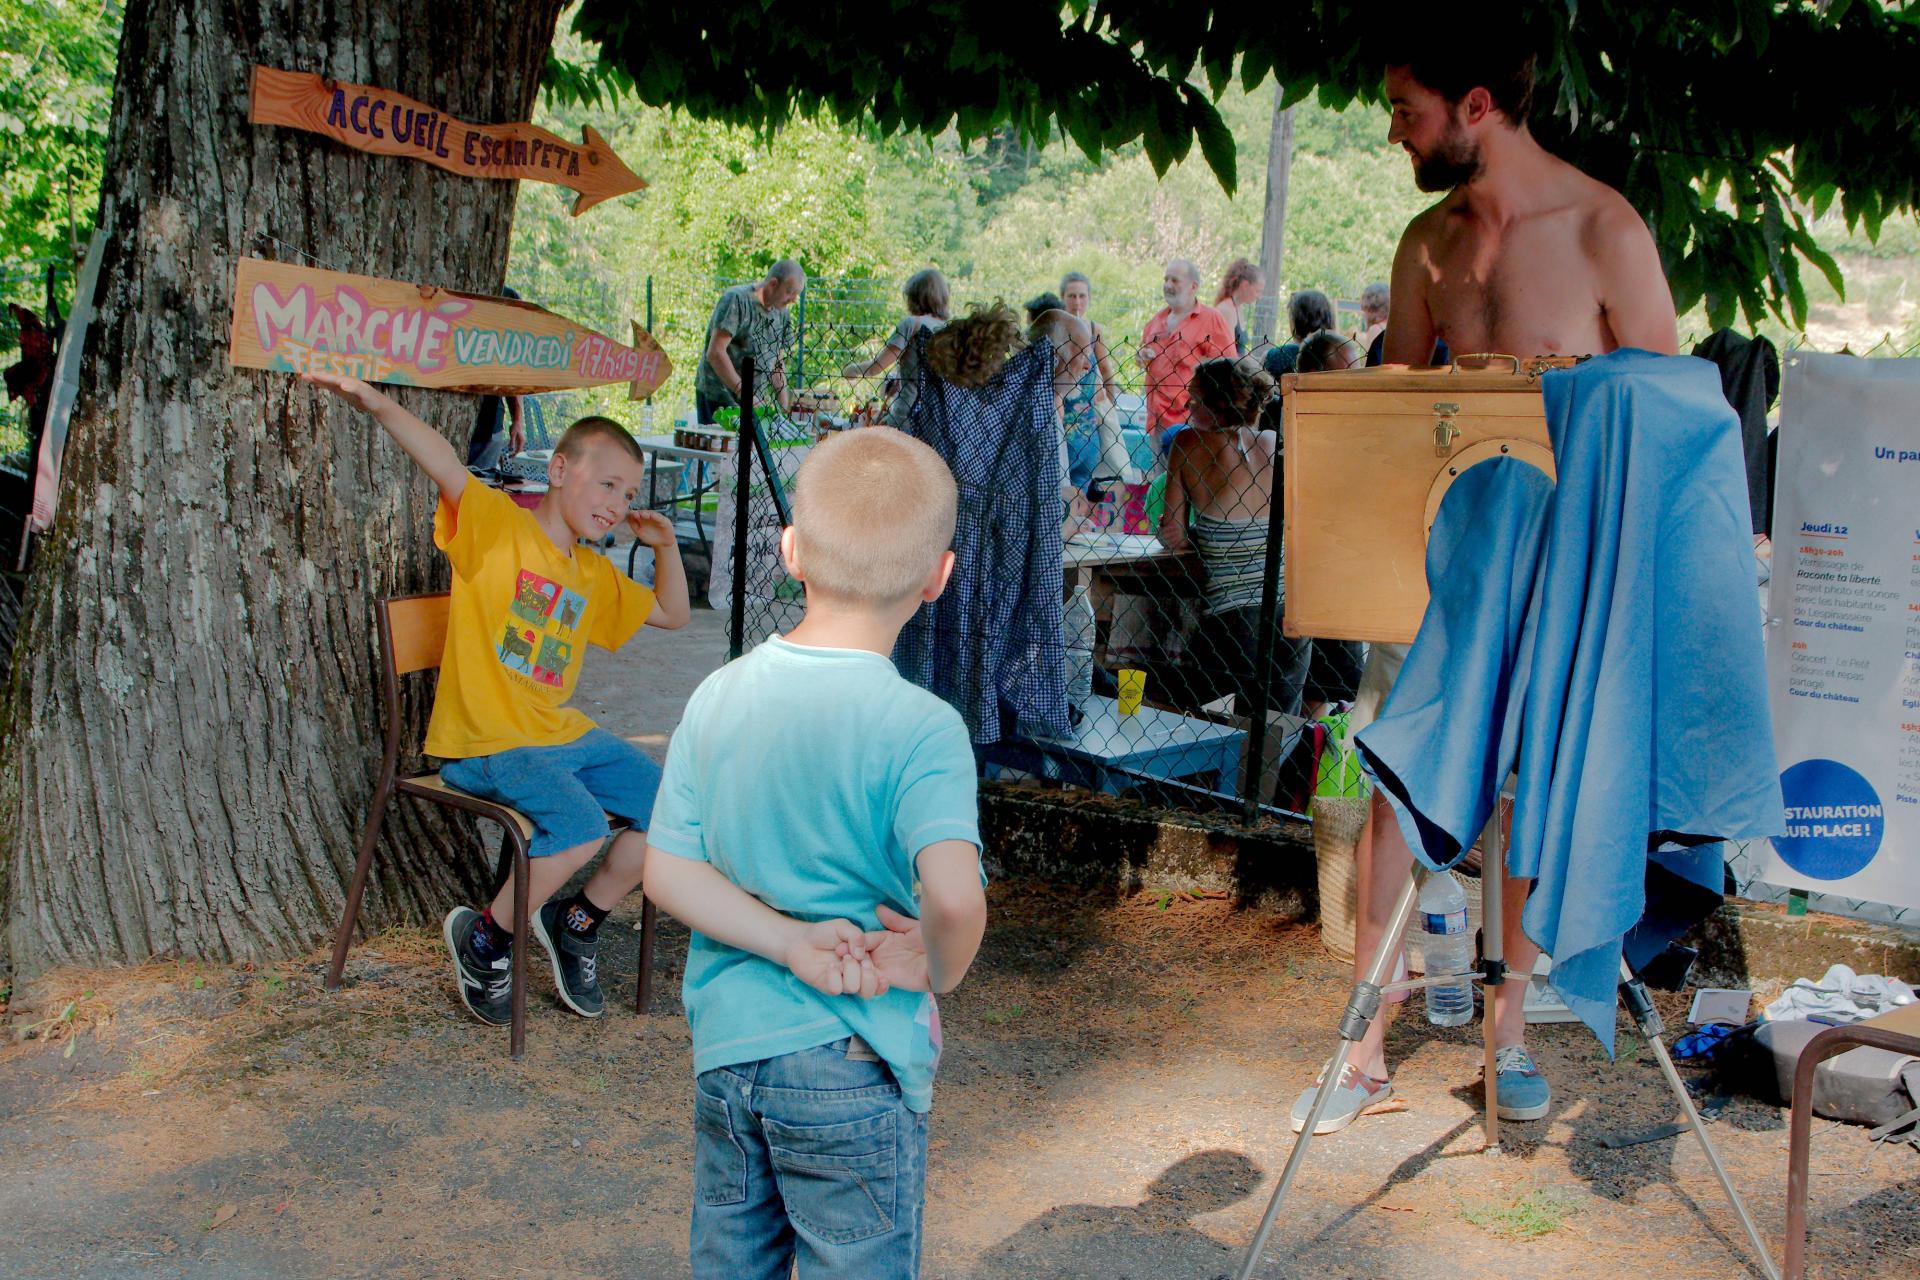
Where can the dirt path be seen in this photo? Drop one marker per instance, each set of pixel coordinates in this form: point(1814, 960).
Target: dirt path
point(1112, 1105)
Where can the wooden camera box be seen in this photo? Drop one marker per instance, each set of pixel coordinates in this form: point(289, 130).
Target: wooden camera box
point(1369, 453)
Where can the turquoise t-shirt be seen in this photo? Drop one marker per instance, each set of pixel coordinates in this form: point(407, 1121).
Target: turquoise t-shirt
point(812, 778)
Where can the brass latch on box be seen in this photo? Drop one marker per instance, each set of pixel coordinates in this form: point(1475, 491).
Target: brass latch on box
point(1444, 432)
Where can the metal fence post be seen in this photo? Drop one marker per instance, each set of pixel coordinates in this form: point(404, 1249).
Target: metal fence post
point(743, 451)
point(799, 378)
point(1269, 636)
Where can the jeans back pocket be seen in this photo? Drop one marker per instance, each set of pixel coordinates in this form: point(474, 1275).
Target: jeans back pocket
point(719, 1161)
point(837, 1179)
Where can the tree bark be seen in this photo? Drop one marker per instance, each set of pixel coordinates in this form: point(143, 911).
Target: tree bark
point(193, 716)
point(1273, 226)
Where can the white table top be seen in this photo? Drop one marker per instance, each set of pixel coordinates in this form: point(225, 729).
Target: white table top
point(1105, 733)
point(1090, 550)
point(666, 448)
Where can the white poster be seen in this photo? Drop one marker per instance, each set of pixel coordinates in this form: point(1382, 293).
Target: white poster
point(1843, 640)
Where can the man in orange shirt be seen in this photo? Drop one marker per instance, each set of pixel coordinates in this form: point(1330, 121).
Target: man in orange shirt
point(1175, 341)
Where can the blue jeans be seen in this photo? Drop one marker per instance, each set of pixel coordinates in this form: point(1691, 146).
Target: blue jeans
point(810, 1156)
point(566, 791)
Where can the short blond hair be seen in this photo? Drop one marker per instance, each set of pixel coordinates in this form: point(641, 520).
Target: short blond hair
point(873, 510)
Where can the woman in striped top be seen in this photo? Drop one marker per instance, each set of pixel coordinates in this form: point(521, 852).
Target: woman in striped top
point(1220, 478)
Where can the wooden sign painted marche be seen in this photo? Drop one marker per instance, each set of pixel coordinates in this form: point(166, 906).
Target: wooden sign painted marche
point(388, 124)
point(299, 319)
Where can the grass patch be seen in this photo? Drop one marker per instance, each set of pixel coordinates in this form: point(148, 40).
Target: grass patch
point(1536, 1214)
point(998, 1017)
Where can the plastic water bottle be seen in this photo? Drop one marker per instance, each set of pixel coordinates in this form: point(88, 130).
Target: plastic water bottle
point(1443, 915)
point(1076, 636)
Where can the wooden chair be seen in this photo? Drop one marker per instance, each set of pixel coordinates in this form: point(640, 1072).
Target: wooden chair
point(413, 633)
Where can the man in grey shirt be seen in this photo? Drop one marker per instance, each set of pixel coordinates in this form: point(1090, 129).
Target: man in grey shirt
point(749, 319)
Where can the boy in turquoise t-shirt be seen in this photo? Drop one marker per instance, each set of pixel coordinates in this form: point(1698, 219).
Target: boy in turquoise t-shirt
point(817, 829)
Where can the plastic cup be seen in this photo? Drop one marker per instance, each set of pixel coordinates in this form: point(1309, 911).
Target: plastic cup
point(1133, 687)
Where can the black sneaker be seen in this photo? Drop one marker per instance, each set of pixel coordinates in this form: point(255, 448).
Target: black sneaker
point(576, 962)
point(486, 986)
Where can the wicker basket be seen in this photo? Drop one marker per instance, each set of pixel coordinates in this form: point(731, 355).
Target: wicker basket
point(1337, 821)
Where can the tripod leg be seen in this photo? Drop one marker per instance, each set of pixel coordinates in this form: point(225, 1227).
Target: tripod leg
point(1640, 1005)
point(1363, 1006)
point(1493, 923)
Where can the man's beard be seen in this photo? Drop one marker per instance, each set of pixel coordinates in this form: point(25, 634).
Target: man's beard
point(1454, 162)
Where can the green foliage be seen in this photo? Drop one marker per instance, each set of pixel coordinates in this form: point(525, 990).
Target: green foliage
point(925, 68)
point(1726, 124)
point(56, 88)
point(56, 85)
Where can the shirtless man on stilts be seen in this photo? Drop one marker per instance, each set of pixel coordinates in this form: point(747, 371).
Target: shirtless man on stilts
point(1526, 256)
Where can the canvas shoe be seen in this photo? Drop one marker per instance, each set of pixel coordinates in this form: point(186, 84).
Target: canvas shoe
point(576, 962)
point(1524, 1094)
point(1357, 1092)
point(486, 986)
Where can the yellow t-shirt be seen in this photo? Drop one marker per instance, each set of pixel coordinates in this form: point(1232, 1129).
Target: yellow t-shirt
point(521, 615)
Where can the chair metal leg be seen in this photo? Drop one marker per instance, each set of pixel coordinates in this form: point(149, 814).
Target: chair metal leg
point(357, 887)
point(502, 864)
point(643, 989)
point(523, 939)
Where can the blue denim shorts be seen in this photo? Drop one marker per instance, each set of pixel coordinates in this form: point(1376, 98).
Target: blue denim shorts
point(810, 1157)
point(566, 791)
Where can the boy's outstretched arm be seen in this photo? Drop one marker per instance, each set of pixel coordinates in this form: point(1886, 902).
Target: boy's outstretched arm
point(933, 952)
point(829, 956)
point(670, 606)
point(423, 444)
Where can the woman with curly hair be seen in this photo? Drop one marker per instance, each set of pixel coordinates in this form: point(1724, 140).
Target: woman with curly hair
point(1220, 479)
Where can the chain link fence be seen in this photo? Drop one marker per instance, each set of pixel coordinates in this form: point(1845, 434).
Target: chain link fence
point(1150, 661)
point(1088, 639)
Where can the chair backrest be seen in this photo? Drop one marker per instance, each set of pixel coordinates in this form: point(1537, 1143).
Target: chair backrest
point(413, 634)
point(416, 631)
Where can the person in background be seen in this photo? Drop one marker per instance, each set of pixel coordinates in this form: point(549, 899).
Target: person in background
point(1239, 291)
point(1333, 667)
point(1220, 478)
point(1077, 414)
point(1076, 291)
point(749, 319)
point(1175, 342)
point(1374, 302)
point(1327, 350)
point(487, 448)
point(928, 304)
point(1308, 312)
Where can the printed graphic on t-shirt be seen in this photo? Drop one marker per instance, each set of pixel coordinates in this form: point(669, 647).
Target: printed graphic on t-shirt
point(537, 638)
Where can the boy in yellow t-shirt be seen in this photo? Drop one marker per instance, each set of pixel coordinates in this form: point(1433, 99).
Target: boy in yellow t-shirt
point(526, 602)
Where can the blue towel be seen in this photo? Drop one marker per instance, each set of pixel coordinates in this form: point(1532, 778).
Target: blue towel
point(1600, 638)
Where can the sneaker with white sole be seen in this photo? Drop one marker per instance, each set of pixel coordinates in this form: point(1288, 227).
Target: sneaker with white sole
point(1357, 1092)
point(1524, 1092)
point(486, 986)
point(576, 962)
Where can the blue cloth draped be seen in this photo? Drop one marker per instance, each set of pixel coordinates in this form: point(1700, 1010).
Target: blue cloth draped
point(1599, 637)
point(991, 643)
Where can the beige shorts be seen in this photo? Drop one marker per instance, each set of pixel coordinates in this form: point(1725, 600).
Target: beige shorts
point(1376, 682)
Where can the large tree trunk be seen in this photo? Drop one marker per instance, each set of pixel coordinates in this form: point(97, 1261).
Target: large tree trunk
point(194, 727)
point(1273, 227)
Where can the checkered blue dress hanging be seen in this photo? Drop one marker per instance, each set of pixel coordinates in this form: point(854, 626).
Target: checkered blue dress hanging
point(990, 645)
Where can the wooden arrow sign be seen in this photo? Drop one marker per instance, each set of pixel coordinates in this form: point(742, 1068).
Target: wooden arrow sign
point(387, 124)
point(295, 319)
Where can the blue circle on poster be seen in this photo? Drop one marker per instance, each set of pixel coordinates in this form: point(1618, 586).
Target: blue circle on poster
point(1834, 820)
